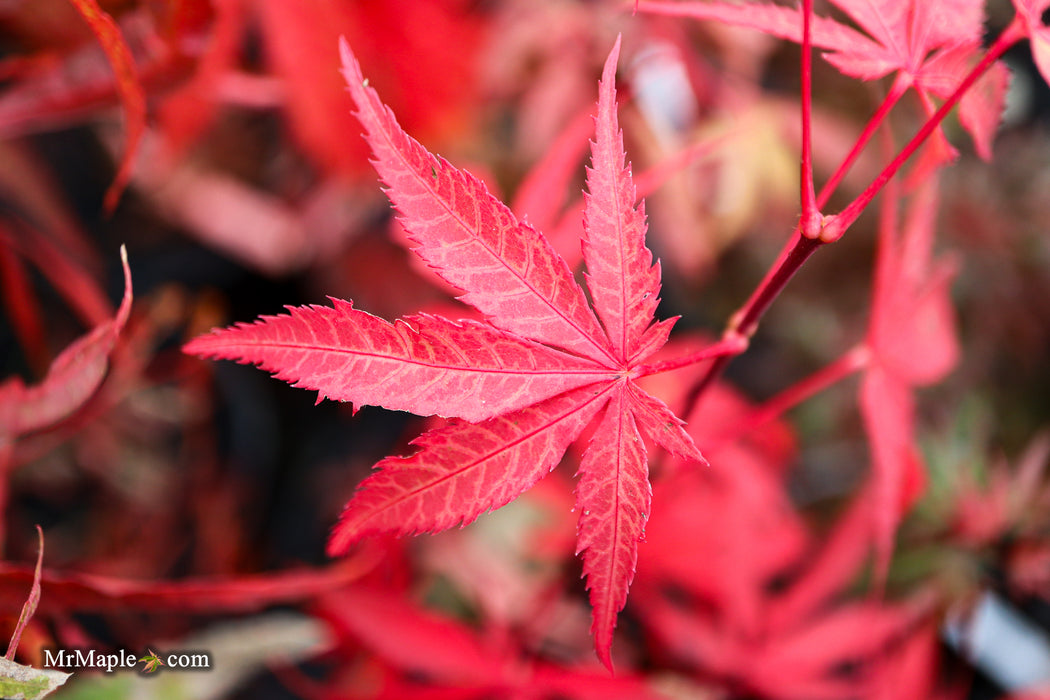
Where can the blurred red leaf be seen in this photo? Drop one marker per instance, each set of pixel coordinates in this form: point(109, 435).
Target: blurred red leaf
point(1000, 503)
point(129, 87)
point(912, 331)
point(22, 306)
point(44, 230)
point(912, 342)
point(753, 603)
point(188, 109)
point(65, 592)
point(72, 379)
point(541, 195)
point(405, 48)
point(413, 640)
point(63, 269)
point(446, 658)
point(898, 474)
point(738, 526)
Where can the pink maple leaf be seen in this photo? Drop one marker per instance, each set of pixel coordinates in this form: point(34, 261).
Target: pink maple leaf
point(521, 387)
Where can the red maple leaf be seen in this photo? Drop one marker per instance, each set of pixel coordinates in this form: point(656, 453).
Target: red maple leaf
point(521, 387)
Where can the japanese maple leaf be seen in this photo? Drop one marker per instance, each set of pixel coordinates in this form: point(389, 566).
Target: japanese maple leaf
point(930, 44)
point(152, 662)
point(522, 386)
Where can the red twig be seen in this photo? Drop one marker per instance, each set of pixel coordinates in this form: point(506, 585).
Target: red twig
point(800, 247)
point(852, 361)
point(810, 221)
point(835, 228)
point(900, 86)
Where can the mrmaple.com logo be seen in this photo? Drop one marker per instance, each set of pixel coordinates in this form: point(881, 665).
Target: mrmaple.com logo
point(123, 659)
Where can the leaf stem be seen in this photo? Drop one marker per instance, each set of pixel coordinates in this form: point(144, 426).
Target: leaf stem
point(745, 321)
point(810, 219)
point(796, 252)
point(731, 344)
point(854, 360)
point(900, 86)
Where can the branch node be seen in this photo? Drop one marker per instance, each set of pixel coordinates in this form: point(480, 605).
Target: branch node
point(831, 229)
point(734, 329)
point(737, 340)
point(812, 225)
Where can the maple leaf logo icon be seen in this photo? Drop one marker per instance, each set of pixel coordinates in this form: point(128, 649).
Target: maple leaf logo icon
point(152, 662)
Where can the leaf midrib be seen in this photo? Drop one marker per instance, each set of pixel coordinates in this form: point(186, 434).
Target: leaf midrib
point(597, 370)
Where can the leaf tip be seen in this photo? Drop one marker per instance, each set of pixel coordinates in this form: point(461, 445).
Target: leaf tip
point(345, 54)
point(351, 67)
point(198, 346)
point(340, 539)
point(113, 193)
point(609, 71)
point(603, 648)
point(125, 303)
